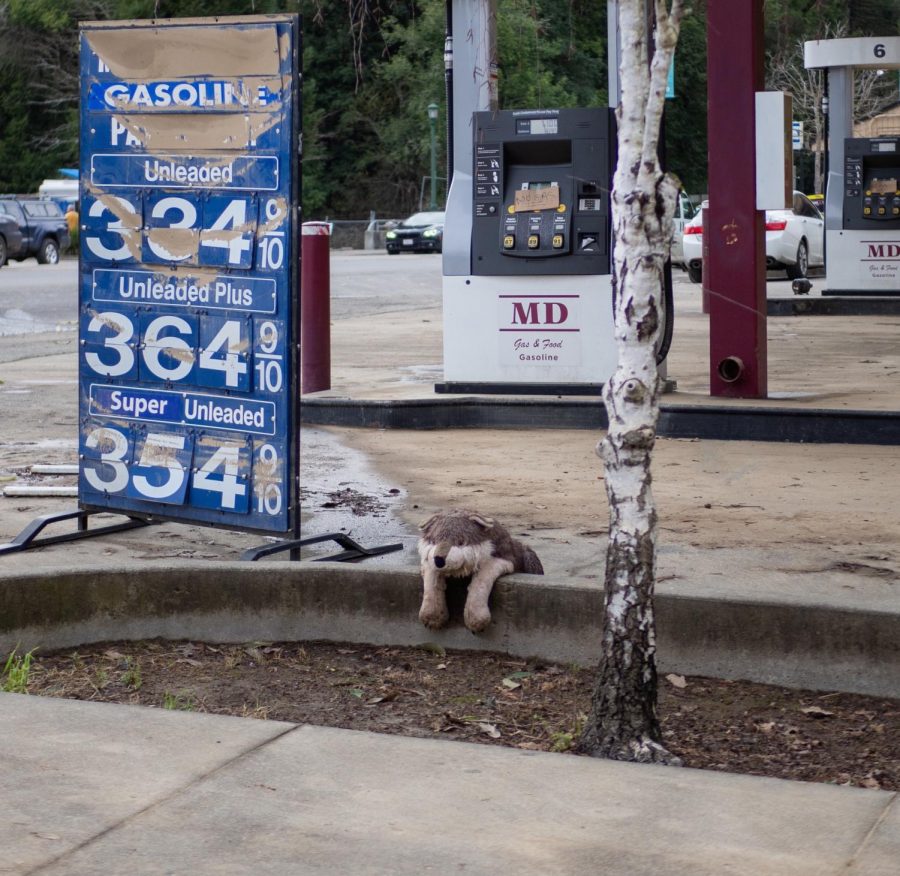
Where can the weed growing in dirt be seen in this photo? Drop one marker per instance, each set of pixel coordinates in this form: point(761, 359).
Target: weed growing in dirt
point(16, 671)
point(257, 711)
point(131, 677)
point(563, 740)
point(179, 702)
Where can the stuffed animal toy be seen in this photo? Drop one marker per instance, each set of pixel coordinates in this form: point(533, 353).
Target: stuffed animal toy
point(456, 544)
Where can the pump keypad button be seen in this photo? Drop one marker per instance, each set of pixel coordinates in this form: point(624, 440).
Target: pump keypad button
point(509, 242)
point(534, 241)
point(558, 241)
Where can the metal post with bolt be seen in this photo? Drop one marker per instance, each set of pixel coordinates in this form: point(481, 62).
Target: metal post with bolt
point(734, 264)
point(432, 121)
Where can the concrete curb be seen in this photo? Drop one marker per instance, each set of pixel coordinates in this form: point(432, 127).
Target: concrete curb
point(838, 306)
point(713, 422)
point(781, 642)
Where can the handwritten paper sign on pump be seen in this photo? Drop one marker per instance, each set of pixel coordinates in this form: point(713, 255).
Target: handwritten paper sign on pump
point(879, 186)
point(537, 199)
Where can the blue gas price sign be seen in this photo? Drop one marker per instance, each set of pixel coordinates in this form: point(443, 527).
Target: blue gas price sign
point(188, 304)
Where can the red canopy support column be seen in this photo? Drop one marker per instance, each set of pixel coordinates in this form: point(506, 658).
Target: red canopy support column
point(315, 307)
point(734, 266)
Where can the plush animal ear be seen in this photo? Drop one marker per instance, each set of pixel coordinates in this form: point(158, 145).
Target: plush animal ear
point(429, 521)
point(483, 522)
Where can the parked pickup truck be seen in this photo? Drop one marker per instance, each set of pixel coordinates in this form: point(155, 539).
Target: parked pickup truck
point(43, 232)
point(10, 237)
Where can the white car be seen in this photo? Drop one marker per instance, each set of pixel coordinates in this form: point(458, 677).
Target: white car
point(794, 240)
point(684, 212)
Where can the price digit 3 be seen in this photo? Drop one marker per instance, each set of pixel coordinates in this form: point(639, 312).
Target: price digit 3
point(106, 458)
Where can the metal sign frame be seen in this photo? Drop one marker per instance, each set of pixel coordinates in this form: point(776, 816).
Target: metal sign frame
point(189, 271)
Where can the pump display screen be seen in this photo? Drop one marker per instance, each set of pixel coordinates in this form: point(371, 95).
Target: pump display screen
point(884, 147)
point(537, 126)
point(543, 126)
point(535, 186)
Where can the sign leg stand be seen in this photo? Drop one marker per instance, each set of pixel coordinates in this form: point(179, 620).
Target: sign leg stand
point(28, 537)
point(352, 550)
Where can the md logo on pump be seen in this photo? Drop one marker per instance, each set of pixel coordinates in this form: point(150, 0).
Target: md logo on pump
point(539, 312)
point(540, 329)
point(882, 250)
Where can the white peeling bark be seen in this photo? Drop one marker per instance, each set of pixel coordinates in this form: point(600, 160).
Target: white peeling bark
point(623, 723)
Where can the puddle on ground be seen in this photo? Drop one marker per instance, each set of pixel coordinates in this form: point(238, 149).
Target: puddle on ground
point(340, 492)
point(19, 322)
point(47, 444)
point(422, 374)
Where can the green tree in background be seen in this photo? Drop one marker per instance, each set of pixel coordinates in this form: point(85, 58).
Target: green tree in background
point(551, 54)
point(685, 122)
point(20, 166)
point(366, 130)
point(39, 70)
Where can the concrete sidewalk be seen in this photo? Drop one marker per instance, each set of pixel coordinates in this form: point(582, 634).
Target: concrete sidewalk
point(104, 790)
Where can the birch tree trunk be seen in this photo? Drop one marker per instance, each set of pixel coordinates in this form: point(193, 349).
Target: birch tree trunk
point(623, 723)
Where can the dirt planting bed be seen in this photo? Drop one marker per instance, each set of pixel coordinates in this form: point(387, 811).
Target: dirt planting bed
point(485, 698)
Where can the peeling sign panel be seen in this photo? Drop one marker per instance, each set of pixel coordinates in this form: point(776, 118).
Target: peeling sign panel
point(187, 293)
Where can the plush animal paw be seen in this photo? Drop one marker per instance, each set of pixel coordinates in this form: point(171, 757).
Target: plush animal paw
point(433, 616)
point(477, 618)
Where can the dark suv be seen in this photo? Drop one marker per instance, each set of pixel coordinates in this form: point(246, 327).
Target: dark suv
point(42, 228)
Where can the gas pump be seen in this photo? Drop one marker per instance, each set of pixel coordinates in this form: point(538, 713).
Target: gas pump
point(864, 254)
point(532, 311)
point(527, 287)
point(862, 197)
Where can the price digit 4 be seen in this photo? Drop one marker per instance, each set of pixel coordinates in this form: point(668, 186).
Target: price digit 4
point(225, 354)
point(221, 475)
point(228, 225)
